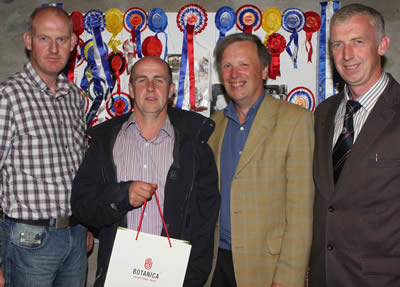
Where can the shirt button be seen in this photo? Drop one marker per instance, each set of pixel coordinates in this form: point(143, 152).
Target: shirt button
point(242, 128)
point(145, 166)
point(331, 209)
point(66, 146)
point(330, 247)
point(146, 144)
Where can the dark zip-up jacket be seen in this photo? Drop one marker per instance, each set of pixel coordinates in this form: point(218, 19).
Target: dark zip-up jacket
point(191, 203)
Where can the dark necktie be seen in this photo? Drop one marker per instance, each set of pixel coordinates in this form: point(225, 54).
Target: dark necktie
point(345, 141)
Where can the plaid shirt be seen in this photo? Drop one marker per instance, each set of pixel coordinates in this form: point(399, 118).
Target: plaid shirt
point(42, 143)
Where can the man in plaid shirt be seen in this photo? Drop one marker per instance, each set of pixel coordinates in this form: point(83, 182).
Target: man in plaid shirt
point(42, 143)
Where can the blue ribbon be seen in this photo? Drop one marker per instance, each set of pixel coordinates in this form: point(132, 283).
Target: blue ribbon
point(138, 43)
point(59, 5)
point(182, 73)
point(103, 56)
point(295, 38)
point(322, 69)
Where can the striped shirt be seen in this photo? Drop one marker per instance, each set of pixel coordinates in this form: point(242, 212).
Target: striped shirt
point(367, 101)
point(137, 159)
point(42, 143)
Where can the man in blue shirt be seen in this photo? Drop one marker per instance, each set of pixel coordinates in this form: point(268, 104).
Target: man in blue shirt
point(263, 147)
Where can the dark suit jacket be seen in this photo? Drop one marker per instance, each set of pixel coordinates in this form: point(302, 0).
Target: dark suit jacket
point(356, 233)
point(191, 201)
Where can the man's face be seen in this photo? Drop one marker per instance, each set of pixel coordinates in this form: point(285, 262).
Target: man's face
point(150, 87)
point(356, 52)
point(50, 43)
point(242, 74)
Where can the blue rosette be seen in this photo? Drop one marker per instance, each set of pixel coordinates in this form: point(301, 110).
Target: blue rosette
point(225, 19)
point(293, 21)
point(158, 22)
point(94, 19)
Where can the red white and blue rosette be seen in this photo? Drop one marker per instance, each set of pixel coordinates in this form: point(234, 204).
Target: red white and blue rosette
point(157, 22)
point(135, 22)
point(303, 97)
point(191, 19)
point(118, 104)
point(293, 21)
point(192, 14)
point(248, 18)
point(225, 19)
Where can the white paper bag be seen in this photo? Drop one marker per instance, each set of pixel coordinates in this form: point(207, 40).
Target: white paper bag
point(148, 261)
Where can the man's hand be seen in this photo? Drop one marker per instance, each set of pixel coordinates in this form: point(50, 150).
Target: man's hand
point(139, 191)
point(89, 241)
point(2, 281)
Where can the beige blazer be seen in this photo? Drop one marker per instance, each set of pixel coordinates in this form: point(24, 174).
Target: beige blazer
point(271, 196)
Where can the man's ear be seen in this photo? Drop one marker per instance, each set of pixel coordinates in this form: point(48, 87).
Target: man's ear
point(73, 42)
point(264, 72)
point(28, 41)
point(171, 91)
point(131, 93)
point(383, 45)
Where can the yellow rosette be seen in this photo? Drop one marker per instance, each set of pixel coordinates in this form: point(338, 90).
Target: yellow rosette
point(271, 22)
point(114, 24)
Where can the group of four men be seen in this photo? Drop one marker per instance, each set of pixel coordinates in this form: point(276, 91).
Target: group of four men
point(250, 182)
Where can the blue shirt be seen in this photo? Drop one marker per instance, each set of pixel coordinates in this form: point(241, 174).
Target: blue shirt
point(232, 146)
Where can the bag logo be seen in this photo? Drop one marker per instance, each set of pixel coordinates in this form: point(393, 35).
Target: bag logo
point(148, 263)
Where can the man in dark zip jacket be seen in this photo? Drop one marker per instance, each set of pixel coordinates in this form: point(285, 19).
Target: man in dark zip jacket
point(153, 148)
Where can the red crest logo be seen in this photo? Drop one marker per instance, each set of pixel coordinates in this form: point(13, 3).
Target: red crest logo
point(148, 264)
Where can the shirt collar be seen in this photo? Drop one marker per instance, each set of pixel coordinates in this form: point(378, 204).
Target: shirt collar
point(166, 129)
point(230, 111)
point(63, 85)
point(369, 99)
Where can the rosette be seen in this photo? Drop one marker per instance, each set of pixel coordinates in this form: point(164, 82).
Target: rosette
point(118, 104)
point(303, 97)
point(158, 22)
point(293, 21)
point(271, 22)
point(77, 29)
point(313, 23)
point(117, 65)
point(114, 24)
point(191, 19)
point(135, 22)
point(276, 45)
point(248, 17)
point(225, 19)
point(94, 23)
point(152, 46)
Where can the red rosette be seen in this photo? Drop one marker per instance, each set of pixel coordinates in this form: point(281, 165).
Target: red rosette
point(192, 14)
point(77, 29)
point(152, 46)
point(312, 25)
point(313, 22)
point(276, 44)
point(77, 23)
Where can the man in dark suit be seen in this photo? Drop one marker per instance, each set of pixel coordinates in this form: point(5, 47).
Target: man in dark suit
point(356, 237)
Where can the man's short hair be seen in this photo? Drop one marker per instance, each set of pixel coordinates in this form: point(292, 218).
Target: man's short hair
point(166, 64)
point(348, 11)
point(58, 10)
point(263, 53)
